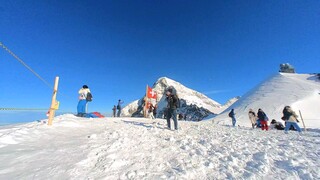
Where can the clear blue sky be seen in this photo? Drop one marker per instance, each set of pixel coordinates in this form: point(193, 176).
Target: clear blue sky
point(220, 48)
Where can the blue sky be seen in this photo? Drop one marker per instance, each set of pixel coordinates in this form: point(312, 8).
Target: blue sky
point(117, 47)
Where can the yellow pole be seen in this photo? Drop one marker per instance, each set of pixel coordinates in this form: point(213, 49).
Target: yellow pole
point(53, 101)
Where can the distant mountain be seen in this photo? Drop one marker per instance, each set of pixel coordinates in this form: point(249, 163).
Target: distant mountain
point(300, 91)
point(194, 105)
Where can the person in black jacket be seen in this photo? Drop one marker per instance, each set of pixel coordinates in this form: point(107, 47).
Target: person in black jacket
point(263, 120)
point(172, 109)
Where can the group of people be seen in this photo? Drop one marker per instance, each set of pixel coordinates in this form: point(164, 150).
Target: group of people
point(118, 107)
point(257, 120)
point(171, 98)
point(260, 120)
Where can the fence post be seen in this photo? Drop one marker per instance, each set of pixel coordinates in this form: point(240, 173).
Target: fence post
point(302, 121)
point(53, 101)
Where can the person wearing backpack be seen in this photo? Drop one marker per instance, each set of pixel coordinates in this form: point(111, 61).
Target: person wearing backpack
point(172, 109)
point(263, 118)
point(232, 115)
point(82, 104)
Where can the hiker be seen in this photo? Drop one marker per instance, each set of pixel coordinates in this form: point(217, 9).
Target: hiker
point(252, 117)
point(291, 119)
point(276, 125)
point(263, 118)
point(119, 107)
point(82, 104)
point(171, 109)
point(114, 111)
point(155, 111)
point(232, 115)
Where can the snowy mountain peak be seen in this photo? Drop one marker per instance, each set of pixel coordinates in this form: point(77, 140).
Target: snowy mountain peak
point(193, 104)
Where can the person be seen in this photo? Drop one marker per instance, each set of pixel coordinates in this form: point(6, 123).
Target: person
point(232, 115)
point(263, 120)
point(119, 107)
point(276, 125)
point(150, 111)
point(172, 109)
point(82, 104)
point(114, 111)
point(252, 117)
point(291, 119)
point(155, 111)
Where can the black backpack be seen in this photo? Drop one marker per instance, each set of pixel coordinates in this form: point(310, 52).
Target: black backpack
point(89, 97)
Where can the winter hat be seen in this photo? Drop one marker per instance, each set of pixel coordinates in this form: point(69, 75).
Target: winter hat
point(85, 87)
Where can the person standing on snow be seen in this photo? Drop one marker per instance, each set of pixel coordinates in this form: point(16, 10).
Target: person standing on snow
point(119, 107)
point(252, 117)
point(263, 118)
point(82, 104)
point(172, 109)
point(232, 115)
point(114, 111)
point(291, 119)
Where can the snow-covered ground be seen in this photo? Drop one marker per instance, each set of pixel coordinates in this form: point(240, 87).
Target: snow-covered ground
point(133, 148)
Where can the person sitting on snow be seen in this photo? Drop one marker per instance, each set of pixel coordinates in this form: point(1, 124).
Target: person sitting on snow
point(276, 125)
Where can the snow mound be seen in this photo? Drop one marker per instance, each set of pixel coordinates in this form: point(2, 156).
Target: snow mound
point(301, 91)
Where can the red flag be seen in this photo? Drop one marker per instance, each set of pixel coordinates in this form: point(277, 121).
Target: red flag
point(151, 93)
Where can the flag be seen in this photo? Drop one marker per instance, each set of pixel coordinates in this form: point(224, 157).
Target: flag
point(151, 93)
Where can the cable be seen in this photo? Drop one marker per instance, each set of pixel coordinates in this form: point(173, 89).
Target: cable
point(24, 64)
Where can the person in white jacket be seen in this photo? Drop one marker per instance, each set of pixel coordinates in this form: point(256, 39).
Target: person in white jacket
point(252, 117)
point(82, 104)
point(291, 119)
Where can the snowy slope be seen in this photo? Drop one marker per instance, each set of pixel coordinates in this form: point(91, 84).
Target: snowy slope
point(193, 100)
point(133, 148)
point(301, 91)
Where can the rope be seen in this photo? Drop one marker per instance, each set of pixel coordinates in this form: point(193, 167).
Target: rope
point(24, 64)
point(23, 109)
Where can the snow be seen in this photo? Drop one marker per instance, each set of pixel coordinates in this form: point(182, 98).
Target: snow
point(300, 91)
point(138, 148)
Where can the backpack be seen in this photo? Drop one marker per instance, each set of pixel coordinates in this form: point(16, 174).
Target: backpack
point(118, 106)
point(177, 104)
point(89, 97)
point(230, 115)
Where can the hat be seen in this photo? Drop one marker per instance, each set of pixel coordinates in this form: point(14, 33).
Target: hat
point(169, 90)
point(85, 87)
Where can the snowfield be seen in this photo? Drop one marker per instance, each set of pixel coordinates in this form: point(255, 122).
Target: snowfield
point(133, 148)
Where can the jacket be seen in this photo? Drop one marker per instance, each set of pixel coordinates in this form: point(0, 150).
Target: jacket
point(172, 102)
point(289, 115)
point(83, 93)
